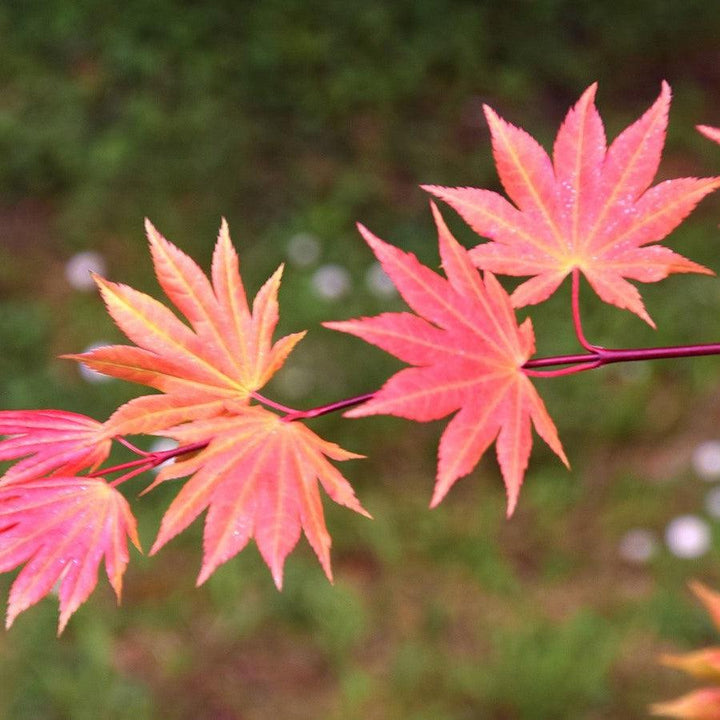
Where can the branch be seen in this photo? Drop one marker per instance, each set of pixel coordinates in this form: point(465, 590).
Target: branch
point(147, 461)
point(598, 356)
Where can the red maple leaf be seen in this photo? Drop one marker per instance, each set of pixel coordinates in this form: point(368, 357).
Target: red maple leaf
point(589, 208)
point(468, 352)
point(258, 476)
point(50, 441)
point(226, 355)
point(62, 528)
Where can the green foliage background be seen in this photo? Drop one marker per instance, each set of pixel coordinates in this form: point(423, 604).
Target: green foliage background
point(302, 116)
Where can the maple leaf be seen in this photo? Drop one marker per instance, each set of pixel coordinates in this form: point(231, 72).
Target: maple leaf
point(258, 478)
point(50, 441)
point(589, 208)
point(224, 356)
point(62, 528)
point(468, 353)
point(256, 472)
point(702, 704)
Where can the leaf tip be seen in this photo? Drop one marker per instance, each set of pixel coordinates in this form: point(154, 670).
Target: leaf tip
point(63, 621)
point(151, 231)
point(433, 190)
point(711, 133)
point(637, 307)
point(439, 492)
point(224, 250)
point(10, 617)
point(276, 277)
point(437, 217)
point(370, 238)
point(157, 481)
point(205, 572)
point(648, 320)
point(100, 281)
point(160, 540)
point(277, 576)
point(325, 564)
point(490, 114)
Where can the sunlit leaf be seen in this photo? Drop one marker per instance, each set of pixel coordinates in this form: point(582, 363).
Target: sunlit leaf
point(61, 529)
point(224, 355)
point(50, 441)
point(590, 207)
point(467, 351)
point(258, 478)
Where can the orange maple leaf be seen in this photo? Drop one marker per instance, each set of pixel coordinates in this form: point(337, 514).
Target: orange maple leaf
point(704, 703)
point(258, 472)
point(468, 353)
point(588, 208)
point(62, 528)
point(258, 476)
point(50, 441)
point(224, 356)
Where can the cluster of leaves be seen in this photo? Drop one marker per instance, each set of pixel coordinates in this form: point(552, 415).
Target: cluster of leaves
point(702, 704)
point(251, 462)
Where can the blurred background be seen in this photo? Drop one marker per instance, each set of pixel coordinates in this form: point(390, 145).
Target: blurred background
point(294, 120)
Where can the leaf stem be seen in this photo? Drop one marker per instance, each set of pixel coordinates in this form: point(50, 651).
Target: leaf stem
point(148, 461)
point(589, 364)
point(134, 448)
point(271, 403)
point(595, 357)
point(291, 414)
point(129, 475)
point(598, 356)
point(329, 408)
point(141, 463)
point(577, 323)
